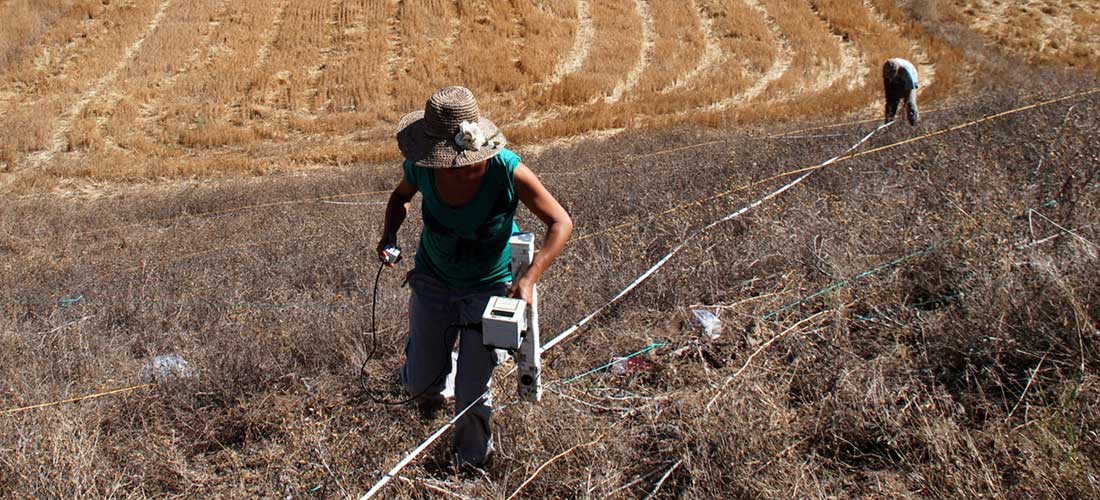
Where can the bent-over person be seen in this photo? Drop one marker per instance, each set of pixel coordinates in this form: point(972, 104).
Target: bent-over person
point(899, 78)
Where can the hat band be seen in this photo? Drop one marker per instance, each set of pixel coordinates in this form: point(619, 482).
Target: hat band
point(437, 135)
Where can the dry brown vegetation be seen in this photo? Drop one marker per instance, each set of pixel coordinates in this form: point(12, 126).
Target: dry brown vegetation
point(967, 370)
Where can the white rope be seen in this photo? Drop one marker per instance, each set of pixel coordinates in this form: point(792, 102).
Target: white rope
point(639, 280)
point(419, 449)
point(648, 272)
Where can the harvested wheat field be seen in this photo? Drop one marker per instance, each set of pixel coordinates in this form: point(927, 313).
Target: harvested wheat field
point(906, 311)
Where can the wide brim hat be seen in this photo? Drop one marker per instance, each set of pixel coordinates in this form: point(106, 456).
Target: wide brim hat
point(450, 132)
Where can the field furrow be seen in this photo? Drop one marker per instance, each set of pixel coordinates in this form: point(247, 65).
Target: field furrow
point(741, 46)
point(615, 48)
point(171, 52)
point(584, 32)
point(53, 46)
point(926, 68)
point(60, 136)
point(552, 37)
point(610, 58)
point(543, 36)
point(482, 55)
point(394, 49)
point(334, 26)
point(711, 50)
point(199, 58)
point(210, 106)
point(270, 34)
point(645, 53)
point(779, 67)
point(813, 47)
point(295, 58)
point(427, 30)
point(354, 79)
point(851, 66)
point(39, 90)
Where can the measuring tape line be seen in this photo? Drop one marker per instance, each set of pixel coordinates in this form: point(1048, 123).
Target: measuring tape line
point(76, 399)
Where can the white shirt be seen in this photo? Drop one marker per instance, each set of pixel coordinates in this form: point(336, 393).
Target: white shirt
point(909, 68)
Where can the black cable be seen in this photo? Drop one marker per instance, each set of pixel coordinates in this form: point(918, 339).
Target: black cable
point(374, 349)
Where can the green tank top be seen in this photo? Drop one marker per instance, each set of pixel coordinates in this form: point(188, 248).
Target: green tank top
point(467, 246)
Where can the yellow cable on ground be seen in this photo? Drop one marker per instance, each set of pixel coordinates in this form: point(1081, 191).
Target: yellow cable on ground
point(76, 399)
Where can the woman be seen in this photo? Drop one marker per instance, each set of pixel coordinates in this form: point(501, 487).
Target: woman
point(471, 186)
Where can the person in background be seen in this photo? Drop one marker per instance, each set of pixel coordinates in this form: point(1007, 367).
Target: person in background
point(899, 78)
point(471, 186)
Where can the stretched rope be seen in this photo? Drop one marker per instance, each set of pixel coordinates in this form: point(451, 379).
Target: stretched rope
point(76, 399)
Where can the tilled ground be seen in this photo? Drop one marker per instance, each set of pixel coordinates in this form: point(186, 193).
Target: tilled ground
point(919, 320)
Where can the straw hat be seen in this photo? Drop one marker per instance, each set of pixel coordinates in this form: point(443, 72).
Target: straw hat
point(450, 132)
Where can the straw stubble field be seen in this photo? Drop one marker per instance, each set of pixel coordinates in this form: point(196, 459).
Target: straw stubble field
point(139, 90)
point(919, 321)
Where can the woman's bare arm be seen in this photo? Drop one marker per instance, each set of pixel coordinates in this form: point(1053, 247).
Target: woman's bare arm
point(396, 210)
point(558, 228)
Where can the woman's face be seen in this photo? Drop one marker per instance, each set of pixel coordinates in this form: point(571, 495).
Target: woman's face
point(466, 173)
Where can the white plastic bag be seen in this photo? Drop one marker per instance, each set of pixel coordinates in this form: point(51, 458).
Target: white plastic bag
point(165, 368)
point(708, 322)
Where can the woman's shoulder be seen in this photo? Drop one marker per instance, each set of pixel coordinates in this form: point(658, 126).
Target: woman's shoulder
point(507, 158)
point(412, 173)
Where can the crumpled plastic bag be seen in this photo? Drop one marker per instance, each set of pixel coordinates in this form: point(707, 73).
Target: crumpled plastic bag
point(165, 368)
point(707, 322)
point(626, 366)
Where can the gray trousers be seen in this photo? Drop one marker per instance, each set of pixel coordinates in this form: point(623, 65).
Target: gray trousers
point(897, 92)
point(433, 308)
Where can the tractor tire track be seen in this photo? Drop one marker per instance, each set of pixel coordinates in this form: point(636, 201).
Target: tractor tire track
point(778, 68)
point(396, 54)
point(270, 35)
point(712, 52)
point(645, 53)
point(412, 76)
point(53, 62)
point(852, 61)
point(147, 111)
point(65, 124)
point(582, 44)
point(925, 71)
point(180, 16)
point(452, 35)
point(995, 16)
point(315, 74)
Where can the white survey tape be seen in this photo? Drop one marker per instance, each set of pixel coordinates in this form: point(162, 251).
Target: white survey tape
point(419, 449)
point(648, 272)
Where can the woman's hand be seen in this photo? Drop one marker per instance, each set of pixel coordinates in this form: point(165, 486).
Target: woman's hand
point(387, 240)
point(523, 289)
